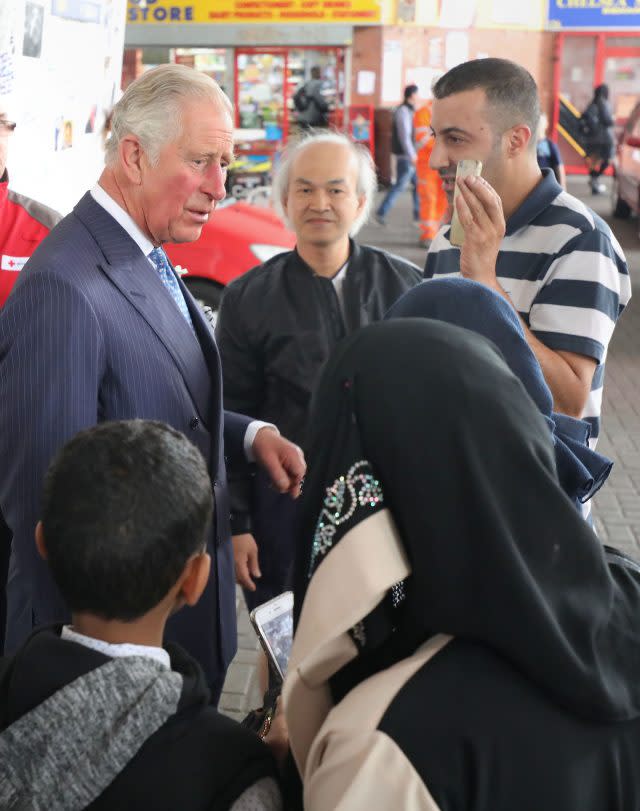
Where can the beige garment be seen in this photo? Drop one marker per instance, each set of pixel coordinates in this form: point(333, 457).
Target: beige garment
point(351, 764)
point(342, 592)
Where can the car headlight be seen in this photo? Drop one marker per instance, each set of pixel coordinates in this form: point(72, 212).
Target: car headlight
point(265, 252)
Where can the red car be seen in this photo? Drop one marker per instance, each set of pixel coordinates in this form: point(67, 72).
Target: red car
point(626, 188)
point(237, 237)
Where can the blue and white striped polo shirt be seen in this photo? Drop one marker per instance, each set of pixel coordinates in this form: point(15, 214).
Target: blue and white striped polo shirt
point(565, 273)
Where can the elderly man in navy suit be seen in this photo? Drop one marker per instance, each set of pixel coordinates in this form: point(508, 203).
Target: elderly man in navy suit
point(99, 327)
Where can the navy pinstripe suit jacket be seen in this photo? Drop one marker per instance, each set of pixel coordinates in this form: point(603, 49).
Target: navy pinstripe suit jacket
point(88, 334)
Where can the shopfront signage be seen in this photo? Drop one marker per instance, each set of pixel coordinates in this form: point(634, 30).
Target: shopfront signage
point(254, 11)
point(594, 14)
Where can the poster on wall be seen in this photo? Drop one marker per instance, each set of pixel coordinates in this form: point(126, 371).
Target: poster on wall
point(435, 52)
point(425, 78)
point(618, 14)
point(366, 83)
point(8, 48)
point(456, 49)
point(33, 21)
point(510, 14)
point(66, 76)
point(457, 13)
point(406, 11)
point(392, 72)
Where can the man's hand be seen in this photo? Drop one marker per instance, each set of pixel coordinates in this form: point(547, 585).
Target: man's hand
point(568, 374)
point(480, 212)
point(283, 461)
point(245, 558)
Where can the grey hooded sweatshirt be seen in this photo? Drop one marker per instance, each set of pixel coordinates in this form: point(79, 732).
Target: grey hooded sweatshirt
point(79, 729)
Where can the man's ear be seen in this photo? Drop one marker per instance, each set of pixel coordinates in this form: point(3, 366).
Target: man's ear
point(131, 157)
point(196, 576)
point(40, 542)
point(518, 140)
point(361, 202)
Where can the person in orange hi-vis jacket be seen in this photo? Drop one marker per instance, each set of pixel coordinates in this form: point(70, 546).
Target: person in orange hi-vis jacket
point(433, 200)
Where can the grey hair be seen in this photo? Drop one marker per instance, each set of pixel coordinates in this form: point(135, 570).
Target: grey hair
point(151, 107)
point(366, 183)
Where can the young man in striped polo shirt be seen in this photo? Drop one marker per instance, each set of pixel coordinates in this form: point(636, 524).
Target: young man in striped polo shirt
point(551, 257)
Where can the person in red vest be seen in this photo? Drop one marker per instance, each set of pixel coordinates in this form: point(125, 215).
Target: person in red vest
point(24, 222)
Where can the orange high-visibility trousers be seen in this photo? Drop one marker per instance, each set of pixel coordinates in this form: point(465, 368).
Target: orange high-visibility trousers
point(433, 200)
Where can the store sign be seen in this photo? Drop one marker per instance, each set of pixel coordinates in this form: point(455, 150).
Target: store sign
point(594, 14)
point(254, 11)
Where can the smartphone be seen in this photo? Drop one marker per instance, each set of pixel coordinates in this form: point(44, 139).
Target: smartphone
point(465, 168)
point(273, 623)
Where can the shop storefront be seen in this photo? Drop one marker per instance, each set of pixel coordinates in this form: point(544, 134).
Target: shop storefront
point(262, 81)
point(260, 51)
point(266, 80)
point(595, 45)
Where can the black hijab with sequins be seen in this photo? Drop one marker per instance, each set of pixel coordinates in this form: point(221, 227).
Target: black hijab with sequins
point(425, 420)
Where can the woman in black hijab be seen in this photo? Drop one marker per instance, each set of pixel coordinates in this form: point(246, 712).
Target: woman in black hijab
point(597, 124)
point(462, 641)
point(581, 471)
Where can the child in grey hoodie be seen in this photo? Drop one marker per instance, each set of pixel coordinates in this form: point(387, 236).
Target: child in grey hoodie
point(99, 714)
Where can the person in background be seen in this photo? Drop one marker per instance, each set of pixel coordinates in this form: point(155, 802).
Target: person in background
point(110, 332)
point(553, 259)
point(279, 323)
point(404, 149)
point(100, 714)
point(548, 154)
point(24, 223)
point(433, 200)
point(598, 121)
point(310, 100)
point(459, 643)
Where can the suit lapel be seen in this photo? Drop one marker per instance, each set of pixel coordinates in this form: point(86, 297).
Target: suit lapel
point(212, 358)
point(131, 272)
point(203, 331)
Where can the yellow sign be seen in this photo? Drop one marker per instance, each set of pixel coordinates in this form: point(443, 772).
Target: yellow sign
point(254, 11)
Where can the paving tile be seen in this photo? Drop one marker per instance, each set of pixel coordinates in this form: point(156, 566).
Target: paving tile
point(238, 678)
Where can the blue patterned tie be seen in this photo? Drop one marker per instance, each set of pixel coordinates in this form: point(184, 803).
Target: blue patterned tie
point(159, 259)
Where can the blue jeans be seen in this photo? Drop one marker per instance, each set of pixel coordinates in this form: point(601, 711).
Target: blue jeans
point(405, 172)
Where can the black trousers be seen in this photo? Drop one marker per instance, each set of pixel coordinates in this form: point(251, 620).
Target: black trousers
point(274, 518)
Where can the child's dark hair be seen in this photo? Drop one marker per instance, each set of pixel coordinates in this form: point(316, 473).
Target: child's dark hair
point(126, 504)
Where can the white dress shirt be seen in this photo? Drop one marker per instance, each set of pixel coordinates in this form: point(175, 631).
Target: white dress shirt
point(338, 285)
point(119, 650)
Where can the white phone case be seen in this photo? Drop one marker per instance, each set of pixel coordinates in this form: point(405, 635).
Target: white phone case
point(465, 168)
point(273, 623)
